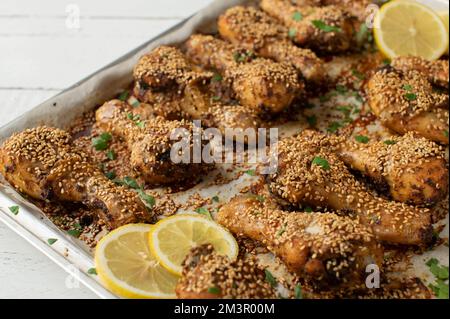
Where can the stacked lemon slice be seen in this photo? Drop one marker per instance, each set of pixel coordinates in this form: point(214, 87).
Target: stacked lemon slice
point(144, 261)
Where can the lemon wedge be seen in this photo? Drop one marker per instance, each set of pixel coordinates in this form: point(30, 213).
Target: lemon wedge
point(127, 267)
point(172, 238)
point(405, 27)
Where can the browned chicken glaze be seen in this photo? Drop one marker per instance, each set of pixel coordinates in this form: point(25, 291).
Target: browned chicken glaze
point(406, 101)
point(207, 275)
point(356, 7)
point(149, 142)
point(328, 29)
point(41, 163)
point(260, 84)
point(175, 88)
point(256, 31)
point(309, 173)
point(328, 250)
point(412, 168)
point(436, 72)
point(170, 84)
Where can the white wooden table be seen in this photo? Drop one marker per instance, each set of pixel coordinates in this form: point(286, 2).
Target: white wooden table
point(42, 52)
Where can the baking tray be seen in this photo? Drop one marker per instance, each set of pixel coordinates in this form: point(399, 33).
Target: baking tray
point(72, 254)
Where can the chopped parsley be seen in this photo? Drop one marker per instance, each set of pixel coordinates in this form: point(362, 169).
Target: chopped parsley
point(111, 155)
point(51, 241)
point(362, 33)
point(258, 197)
point(203, 211)
point(407, 87)
point(148, 200)
point(270, 278)
point(123, 96)
point(362, 139)
point(308, 209)
point(386, 61)
point(214, 290)
point(14, 209)
point(298, 292)
point(312, 120)
point(440, 286)
point(215, 199)
point(128, 181)
point(410, 96)
point(445, 133)
point(389, 142)
point(250, 172)
point(344, 109)
point(92, 271)
point(217, 77)
point(281, 230)
point(321, 162)
point(74, 232)
point(101, 142)
point(297, 16)
point(358, 74)
point(319, 24)
point(110, 175)
point(333, 127)
point(136, 119)
point(242, 57)
point(341, 89)
point(292, 33)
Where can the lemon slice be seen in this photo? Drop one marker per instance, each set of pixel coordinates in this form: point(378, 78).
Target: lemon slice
point(172, 238)
point(404, 27)
point(444, 17)
point(126, 265)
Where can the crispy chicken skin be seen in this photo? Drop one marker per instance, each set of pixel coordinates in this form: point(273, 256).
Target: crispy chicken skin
point(310, 173)
point(149, 142)
point(207, 275)
point(260, 84)
point(356, 7)
point(312, 28)
point(406, 101)
point(436, 72)
point(327, 250)
point(41, 163)
point(411, 168)
point(167, 69)
point(170, 84)
point(256, 31)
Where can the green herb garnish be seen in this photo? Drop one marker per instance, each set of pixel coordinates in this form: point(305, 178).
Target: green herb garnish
point(92, 271)
point(362, 139)
point(440, 287)
point(358, 74)
point(250, 172)
point(410, 96)
point(216, 98)
point(74, 232)
point(217, 77)
point(298, 292)
point(214, 290)
point(319, 24)
point(292, 33)
point(389, 142)
point(51, 241)
point(148, 200)
point(297, 16)
point(341, 89)
point(312, 120)
point(14, 209)
point(333, 127)
point(123, 96)
point(407, 87)
point(111, 155)
point(445, 133)
point(215, 199)
point(321, 162)
point(203, 211)
point(308, 209)
point(110, 175)
point(270, 278)
point(101, 142)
